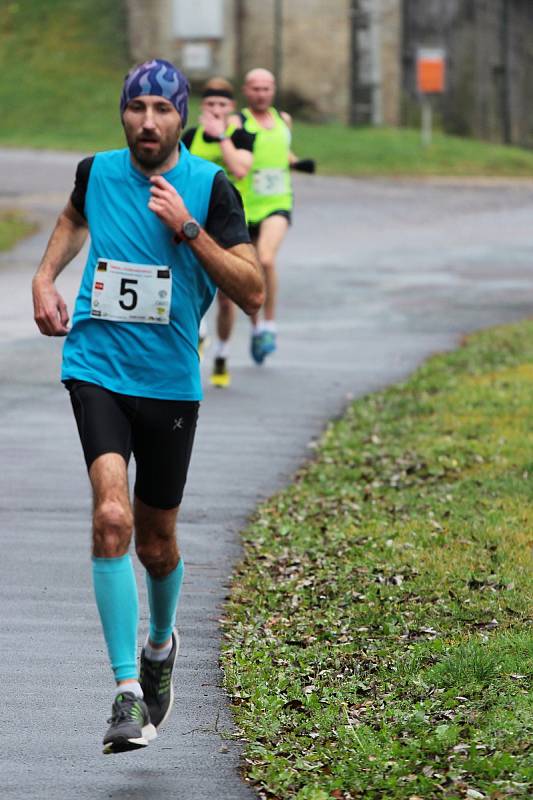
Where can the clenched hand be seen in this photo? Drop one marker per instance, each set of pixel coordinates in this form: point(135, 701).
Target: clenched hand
point(49, 309)
point(167, 204)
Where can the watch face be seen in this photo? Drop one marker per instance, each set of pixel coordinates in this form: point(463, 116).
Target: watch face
point(191, 229)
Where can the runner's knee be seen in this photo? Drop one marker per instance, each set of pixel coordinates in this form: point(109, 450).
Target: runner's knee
point(112, 527)
point(158, 554)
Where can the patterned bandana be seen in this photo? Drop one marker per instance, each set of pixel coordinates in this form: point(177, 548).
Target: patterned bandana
point(160, 78)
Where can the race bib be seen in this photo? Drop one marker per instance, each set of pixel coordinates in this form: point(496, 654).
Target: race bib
point(124, 292)
point(269, 181)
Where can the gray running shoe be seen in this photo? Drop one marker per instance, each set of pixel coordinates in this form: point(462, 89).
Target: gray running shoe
point(130, 726)
point(156, 683)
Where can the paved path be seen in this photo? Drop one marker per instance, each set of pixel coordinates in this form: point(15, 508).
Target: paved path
point(375, 276)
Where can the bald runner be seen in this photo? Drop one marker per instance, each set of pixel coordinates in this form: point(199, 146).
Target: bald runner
point(267, 193)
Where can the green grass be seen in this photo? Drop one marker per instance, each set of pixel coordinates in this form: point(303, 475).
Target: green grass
point(14, 226)
point(378, 640)
point(63, 62)
point(74, 57)
point(340, 150)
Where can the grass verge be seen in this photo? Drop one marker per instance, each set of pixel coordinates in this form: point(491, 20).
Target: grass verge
point(14, 227)
point(340, 150)
point(378, 639)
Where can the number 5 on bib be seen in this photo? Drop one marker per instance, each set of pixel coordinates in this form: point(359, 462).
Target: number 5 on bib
point(124, 292)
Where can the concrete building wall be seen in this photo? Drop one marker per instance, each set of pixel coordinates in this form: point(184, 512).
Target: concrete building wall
point(150, 24)
point(312, 52)
point(257, 30)
point(315, 56)
point(309, 44)
point(149, 29)
point(375, 59)
point(390, 46)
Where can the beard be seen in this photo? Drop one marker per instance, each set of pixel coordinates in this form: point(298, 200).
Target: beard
point(155, 152)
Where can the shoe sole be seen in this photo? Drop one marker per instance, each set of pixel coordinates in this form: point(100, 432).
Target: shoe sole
point(220, 382)
point(264, 353)
point(123, 745)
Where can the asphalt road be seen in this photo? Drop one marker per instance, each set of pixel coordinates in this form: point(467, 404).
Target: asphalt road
point(375, 276)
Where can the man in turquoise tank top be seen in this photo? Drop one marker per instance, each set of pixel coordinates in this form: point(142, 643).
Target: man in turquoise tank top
point(222, 143)
point(267, 193)
point(167, 229)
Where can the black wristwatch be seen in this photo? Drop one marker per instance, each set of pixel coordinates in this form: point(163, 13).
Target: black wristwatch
point(190, 229)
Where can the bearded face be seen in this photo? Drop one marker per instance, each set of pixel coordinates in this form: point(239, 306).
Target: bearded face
point(152, 127)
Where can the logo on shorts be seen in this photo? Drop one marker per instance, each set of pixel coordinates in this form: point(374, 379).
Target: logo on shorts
point(178, 423)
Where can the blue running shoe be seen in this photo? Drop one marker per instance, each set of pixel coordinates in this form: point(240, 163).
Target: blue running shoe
point(256, 348)
point(268, 343)
point(262, 345)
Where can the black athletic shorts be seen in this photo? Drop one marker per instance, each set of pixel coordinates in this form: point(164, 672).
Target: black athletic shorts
point(159, 433)
point(253, 227)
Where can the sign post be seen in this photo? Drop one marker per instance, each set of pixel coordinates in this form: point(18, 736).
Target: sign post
point(430, 79)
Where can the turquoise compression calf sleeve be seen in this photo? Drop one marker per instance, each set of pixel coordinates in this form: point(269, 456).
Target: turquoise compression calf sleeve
point(163, 597)
point(118, 603)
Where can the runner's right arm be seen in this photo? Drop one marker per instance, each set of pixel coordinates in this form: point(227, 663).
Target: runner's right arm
point(66, 241)
point(236, 149)
point(237, 159)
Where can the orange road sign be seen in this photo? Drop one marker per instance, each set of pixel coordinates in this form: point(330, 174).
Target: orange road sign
point(430, 70)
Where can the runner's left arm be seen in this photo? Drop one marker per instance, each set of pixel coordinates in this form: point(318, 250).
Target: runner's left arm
point(229, 259)
point(287, 119)
point(295, 163)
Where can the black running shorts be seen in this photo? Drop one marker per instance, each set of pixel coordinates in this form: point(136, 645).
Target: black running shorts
point(254, 227)
point(159, 433)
